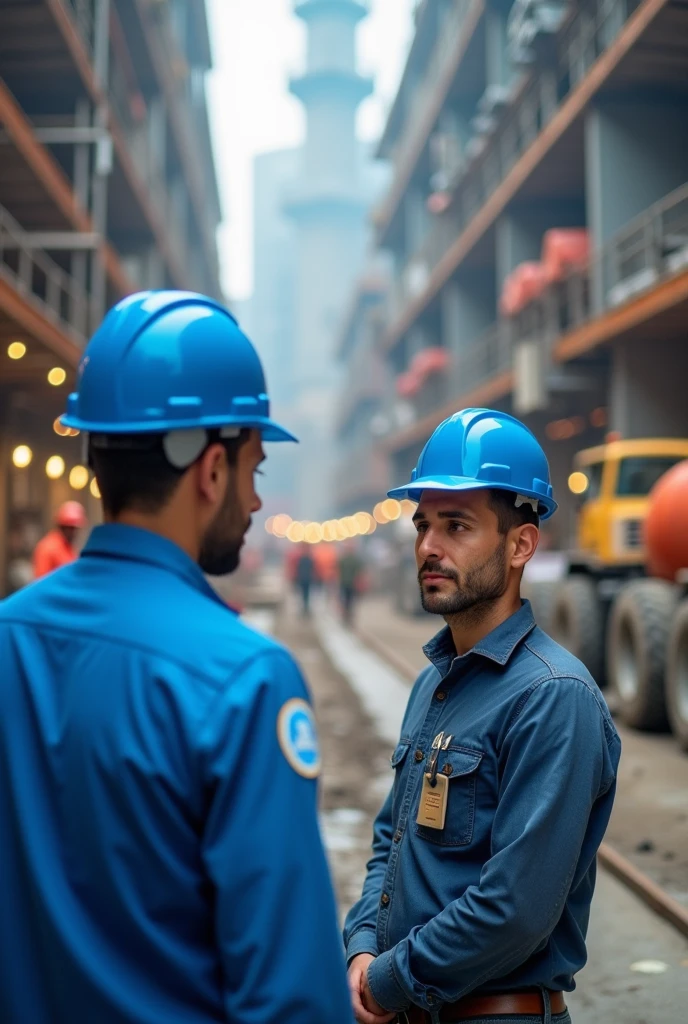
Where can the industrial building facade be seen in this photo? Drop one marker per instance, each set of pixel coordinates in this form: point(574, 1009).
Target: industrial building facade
point(538, 223)
point(107, 185)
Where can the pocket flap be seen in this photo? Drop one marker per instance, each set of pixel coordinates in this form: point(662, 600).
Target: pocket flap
point(400, 753)
point(457, 761)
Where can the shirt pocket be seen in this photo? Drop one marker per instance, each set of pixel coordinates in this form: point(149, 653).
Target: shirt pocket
point(460, 765)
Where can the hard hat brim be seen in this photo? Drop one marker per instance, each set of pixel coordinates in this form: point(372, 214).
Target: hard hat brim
point(546, 507)
point(269, 429)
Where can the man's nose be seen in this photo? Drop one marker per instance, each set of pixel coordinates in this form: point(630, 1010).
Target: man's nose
point(430, 548)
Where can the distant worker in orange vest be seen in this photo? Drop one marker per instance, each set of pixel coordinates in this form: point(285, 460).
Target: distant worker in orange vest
point(57, 547)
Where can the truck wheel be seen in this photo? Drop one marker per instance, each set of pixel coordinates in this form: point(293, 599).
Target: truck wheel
point(542, 595)
point(636, 651)
point(676, 678)
point(576, 622)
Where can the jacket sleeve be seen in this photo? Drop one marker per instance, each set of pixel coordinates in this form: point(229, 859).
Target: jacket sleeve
point(558, 761)
point(361, 921)
point(275, 916)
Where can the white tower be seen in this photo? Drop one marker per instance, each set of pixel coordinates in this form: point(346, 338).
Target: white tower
point(329, 207)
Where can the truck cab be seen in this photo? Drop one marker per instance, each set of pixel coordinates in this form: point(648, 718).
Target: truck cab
point(614, 482)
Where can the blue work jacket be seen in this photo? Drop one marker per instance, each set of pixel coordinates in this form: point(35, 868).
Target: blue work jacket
point(160, 858)
point(499, 898)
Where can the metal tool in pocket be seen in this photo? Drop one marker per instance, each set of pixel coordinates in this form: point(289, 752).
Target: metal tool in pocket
point(432, 809)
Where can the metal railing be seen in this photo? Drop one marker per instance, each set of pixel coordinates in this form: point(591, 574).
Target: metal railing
point(488, 355)
point(652, 247)
point(56, 295)
point(582, 40)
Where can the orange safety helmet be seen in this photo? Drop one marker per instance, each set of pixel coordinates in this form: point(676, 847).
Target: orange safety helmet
point(71, 513)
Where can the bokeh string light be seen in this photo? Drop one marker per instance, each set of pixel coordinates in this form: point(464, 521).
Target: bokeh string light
point(332, 531)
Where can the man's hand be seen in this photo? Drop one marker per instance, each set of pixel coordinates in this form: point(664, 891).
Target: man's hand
point(366, 1009)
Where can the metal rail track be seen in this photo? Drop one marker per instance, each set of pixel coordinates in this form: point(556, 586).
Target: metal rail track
point(610, 859)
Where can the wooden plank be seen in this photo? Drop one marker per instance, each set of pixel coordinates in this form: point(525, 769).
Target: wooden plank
point(567, 113)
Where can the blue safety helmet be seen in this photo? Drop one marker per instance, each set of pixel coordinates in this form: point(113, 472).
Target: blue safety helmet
point(481, 448)
point(166, 361)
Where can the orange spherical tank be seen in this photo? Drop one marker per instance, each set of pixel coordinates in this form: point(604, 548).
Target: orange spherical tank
point(666, 526)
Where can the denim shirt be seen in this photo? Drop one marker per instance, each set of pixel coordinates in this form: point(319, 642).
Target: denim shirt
point(499, 899)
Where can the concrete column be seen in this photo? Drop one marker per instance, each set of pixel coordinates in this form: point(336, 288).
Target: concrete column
point(647, 391)
point(497, 65)
point(468, 308)
point(636, 152)
point(415, 219)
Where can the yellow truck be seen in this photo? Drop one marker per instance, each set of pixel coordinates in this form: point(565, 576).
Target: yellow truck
point(606, 610)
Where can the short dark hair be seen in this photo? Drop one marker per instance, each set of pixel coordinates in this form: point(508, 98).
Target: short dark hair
point(136, 475)
point(503, 504)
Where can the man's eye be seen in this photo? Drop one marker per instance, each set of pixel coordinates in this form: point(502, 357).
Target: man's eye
point(421, 527)
point(454, 526)
point(260, 472)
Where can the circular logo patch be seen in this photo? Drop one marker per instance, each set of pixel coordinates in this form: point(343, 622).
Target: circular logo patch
point(298, 737)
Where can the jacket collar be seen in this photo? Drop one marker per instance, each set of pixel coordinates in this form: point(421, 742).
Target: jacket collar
point(133, 544)
point(498, 646)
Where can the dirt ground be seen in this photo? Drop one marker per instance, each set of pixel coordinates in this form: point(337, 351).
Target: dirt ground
point(356, 772)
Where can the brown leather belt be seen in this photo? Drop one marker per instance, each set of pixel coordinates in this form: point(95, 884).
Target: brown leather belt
point(517, 1003)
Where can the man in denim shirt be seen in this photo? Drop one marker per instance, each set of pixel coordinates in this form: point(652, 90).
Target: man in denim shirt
point(477, 897)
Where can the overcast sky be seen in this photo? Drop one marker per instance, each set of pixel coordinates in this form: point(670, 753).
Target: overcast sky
point(257, 44)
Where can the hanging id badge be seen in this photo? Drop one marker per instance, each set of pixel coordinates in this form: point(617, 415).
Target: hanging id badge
point(432, 810)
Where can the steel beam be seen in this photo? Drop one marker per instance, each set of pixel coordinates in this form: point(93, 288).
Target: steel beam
point(67, 136)
point(69, 241)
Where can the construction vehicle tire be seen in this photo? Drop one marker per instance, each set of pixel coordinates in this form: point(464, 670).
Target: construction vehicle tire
point(637, 640)
point(576, 622)
point(542, 595)
point(676, 676)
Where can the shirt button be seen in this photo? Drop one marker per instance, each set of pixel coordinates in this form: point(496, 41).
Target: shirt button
point(441, 695)
point(384, 899)
point(397, 836)
point(431, 999)
point(447, 769)
point(419, 755)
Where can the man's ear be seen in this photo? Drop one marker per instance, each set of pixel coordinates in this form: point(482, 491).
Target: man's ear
point(212, 473)
point(526, 540)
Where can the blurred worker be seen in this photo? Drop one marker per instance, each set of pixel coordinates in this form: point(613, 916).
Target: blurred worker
point(305, 577)
point(477, 897)
point(325, 557)
point(57, 547)
point(160, 858)
point(350, 580)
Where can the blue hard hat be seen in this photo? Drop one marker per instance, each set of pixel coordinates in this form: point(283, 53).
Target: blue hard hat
point(165, 361)
point(481, 448)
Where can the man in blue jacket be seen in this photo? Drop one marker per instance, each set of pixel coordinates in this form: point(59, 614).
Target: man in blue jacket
point(160, 859)
point(476, 902)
